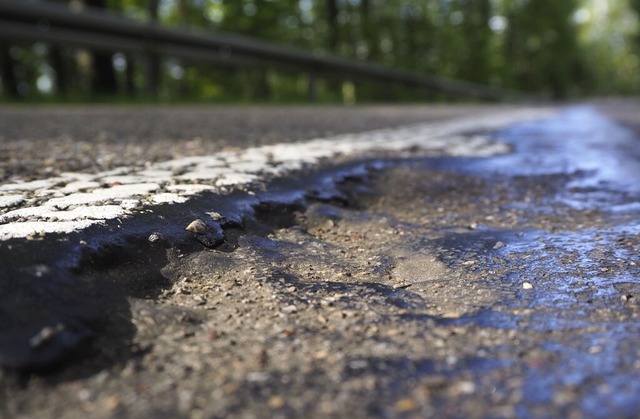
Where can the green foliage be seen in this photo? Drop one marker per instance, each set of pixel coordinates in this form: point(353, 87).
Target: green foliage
point(542, 51)
point(562, 48)
point(610, 38)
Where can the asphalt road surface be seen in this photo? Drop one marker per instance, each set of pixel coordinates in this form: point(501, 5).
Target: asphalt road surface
point(409, 261)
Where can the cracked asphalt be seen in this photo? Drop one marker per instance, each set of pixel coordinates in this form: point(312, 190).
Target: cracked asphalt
point(406, 284)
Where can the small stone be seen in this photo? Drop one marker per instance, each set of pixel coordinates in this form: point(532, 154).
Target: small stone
point(46, 334)
point(262, 358)
point(276, 402)
point(527, 285)
point(321, 354)
point(84, 395)
point(258, 377)
point(197, 226)
point(215, 216)
point(473, 226)
point(405, 405)
point(230, 388)
point(154, 237)
point(289, 309)
point(499, 245)
point(358, 364)
point(111, 403)
point(199, 301)
point(327, 302)
point(596, 349)
point(466, 387)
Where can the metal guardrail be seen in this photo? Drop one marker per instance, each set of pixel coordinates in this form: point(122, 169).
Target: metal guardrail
point(95, 29)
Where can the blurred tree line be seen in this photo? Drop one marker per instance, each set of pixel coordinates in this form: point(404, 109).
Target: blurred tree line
point(564, 48)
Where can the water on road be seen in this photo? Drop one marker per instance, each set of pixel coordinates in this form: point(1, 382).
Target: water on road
point(398, 281)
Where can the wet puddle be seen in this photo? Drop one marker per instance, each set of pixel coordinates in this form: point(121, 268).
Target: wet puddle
point(582, 277)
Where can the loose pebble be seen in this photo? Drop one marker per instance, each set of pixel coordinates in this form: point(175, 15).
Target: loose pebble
point(46, 334)
point(215, 216)
point(276, 402)
point(289, 309)
point(197, 226)
point(466, 387)
point(112, 403)
point(405, 405)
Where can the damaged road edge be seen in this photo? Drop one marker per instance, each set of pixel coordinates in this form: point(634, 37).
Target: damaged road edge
point(57, 307)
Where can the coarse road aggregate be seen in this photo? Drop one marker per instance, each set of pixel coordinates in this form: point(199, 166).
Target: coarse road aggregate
point(391, 283)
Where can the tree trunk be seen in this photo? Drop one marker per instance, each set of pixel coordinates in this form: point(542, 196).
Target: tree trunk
point(9, 81)
point(477, 66)
point(635, 6)
point(260, 89)
point(332, 20)
point(103, 82)
point(59, 65)
point(129, 76)
point(153, 59)
point(369, 32)
point(333, 86)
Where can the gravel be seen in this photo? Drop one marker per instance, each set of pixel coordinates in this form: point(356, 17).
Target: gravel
point(401, 294)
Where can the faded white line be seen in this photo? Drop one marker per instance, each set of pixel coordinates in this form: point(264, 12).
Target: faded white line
point(74, 201)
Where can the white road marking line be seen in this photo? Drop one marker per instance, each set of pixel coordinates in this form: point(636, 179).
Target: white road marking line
point(74, 201)
point(9, 201)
